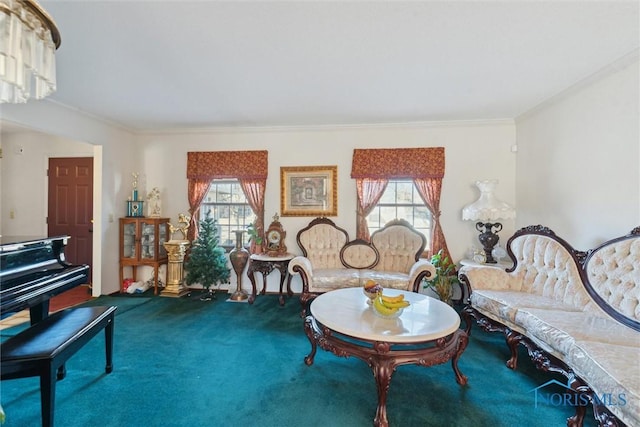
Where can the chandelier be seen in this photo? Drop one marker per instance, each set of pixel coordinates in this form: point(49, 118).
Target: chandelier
point(28, 41)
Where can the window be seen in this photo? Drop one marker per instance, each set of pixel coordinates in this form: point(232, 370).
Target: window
point(228, 205)
point(401, 200)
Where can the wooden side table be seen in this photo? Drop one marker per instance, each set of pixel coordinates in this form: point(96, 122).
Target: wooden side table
point(265, 264)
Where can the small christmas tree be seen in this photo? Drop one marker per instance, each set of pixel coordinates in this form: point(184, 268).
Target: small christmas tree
point(207, 263)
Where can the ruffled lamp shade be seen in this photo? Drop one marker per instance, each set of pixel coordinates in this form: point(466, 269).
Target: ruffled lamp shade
point(486, 210)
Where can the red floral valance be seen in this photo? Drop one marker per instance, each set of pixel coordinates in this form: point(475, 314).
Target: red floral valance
point(209, 165)
point(386, 163)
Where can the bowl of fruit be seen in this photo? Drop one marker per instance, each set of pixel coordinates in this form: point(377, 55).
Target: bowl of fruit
point(389, 307)
point(371, 289)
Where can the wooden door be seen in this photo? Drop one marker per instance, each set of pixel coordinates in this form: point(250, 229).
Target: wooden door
point(71, 206)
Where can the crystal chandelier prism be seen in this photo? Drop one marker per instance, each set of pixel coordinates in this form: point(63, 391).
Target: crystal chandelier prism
point(28, 41)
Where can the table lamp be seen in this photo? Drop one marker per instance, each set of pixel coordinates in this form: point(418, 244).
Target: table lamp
point(487, 210)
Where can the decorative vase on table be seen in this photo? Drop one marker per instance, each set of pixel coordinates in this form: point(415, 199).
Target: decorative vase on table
point(239, 257)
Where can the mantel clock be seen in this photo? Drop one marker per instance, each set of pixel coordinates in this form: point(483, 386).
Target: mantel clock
point(274, 238)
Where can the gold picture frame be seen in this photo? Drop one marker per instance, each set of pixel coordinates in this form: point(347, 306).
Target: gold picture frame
point(309, 191)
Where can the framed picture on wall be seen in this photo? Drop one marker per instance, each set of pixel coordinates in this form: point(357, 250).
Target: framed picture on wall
point(309, 191)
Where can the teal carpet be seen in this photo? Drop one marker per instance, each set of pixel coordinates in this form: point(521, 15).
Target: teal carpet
point(184, 362)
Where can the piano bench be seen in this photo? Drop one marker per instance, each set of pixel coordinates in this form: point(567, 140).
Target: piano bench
point(43, 348)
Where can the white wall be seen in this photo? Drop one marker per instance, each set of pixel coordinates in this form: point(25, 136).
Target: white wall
point(74, 134)
point(472, 150)
point(578, 163)
point(24, 164)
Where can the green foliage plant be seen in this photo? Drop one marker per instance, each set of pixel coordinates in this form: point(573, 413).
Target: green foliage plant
point(207, 263)
point(253, 234)
point(444, 280)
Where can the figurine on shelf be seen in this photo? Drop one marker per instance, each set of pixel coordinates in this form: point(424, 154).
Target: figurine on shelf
point(154, 203)
point(182, 227)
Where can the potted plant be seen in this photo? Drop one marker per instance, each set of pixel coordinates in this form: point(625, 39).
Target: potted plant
point(444, 280)
point(255, 239)
point(207, 262)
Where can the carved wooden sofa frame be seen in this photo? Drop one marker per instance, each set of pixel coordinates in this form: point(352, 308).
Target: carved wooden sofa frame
point(604, 285)
point(330, 260)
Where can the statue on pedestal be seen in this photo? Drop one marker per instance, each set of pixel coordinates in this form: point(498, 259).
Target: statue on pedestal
point(182, 227)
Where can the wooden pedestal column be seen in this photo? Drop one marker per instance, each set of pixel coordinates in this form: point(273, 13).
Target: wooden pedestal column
point(176, 250)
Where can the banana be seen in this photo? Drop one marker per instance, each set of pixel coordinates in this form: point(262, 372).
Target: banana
point(397, 298)
point(395, 304)
point(383, 309)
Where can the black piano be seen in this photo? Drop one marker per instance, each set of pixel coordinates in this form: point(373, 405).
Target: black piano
point(32, 270)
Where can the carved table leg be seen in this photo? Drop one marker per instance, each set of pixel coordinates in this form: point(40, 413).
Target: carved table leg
point(264, 284)
point(252, 279)
point(382, 370)
point(283, 277)
point(463, 340)
point(310, 329)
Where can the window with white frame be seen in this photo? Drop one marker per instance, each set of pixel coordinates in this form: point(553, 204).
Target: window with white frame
point(228, 205)
point(401, 201)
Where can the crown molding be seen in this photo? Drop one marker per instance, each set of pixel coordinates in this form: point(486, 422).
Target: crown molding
point(91, 116)
point(608, 70)
point(327, 127)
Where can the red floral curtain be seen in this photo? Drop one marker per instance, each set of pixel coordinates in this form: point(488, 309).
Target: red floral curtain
point(429, 190)
point(198, 188)
point(369, 193)
point(249, 167)
point(387, 163)
point(425, 166)
point(227, 164)
point(254, 191)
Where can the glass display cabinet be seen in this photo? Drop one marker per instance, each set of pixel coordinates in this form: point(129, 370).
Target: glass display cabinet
point(141, 243)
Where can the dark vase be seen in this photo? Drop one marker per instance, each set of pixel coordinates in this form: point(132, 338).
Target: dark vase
point(239, 257)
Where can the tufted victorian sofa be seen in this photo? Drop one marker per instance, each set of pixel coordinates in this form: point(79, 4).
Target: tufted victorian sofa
point(330, 261)
point(577, 313)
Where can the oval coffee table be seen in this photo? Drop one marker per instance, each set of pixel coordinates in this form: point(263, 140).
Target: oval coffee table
point(426, 333)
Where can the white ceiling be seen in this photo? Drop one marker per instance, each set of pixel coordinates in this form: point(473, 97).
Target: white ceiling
point(158, 65)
